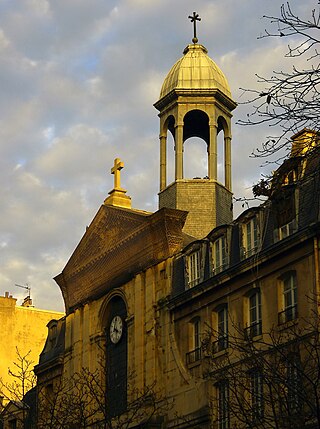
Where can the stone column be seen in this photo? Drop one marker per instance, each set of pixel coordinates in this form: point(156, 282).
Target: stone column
point(212, 153)
point(163, 162)
point(227, 162)
point(179, 152)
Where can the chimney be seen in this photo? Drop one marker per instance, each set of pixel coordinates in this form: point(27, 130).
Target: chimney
point(27, 302)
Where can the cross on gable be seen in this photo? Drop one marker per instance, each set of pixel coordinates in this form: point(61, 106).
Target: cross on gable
point(117, 197)
point(194, 18)
point(118, 165)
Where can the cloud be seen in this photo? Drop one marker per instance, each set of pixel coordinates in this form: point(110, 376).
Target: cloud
point(78, 81)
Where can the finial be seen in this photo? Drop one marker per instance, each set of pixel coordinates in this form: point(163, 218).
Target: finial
point(194, 18)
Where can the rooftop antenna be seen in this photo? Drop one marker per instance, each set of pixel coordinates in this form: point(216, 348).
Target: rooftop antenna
point(27, 287)
point(27, 302)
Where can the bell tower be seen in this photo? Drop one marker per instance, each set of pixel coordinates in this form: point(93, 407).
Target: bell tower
point(195, 101)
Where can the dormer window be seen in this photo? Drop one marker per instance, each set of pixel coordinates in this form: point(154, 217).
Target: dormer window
point(291, 177)
point(53, 335)
point(219, 254)
point(250, 237)
point(193, 262)
point(285, 230)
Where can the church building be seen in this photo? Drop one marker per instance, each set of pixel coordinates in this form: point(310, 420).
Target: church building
point(158, 304)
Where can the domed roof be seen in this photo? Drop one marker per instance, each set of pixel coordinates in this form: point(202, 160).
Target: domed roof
point(195, 70)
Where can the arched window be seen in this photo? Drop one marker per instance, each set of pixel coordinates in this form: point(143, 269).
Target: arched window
point(116, 356)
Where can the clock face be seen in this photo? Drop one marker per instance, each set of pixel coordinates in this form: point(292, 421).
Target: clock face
point(116, 329)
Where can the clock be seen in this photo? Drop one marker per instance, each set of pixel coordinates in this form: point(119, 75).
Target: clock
point(116, 329)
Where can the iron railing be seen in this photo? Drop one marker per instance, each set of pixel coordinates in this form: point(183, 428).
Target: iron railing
point(254, 330)
point(194, 356)
point(290, 313)
point(222, 343)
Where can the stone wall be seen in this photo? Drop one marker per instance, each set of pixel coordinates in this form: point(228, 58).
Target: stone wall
point(209, 204)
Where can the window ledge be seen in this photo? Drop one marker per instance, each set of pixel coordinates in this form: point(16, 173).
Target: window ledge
point(254, 339)
point(194, 364)
point(218, 354)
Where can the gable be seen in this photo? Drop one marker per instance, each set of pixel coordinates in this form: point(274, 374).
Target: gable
point(118, 244)
point(105, 231)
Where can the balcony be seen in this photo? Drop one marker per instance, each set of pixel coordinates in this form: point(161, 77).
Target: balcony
point(254, 330)
point(246, 253)
point(290, 313)
point(194, 356)
point(193, 282)
point(250, 252)
point(221, 344)
point(220, 268)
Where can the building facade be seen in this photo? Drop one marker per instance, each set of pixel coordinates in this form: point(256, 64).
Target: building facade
point(163, 308)
point(23, 327)
point(24, 333)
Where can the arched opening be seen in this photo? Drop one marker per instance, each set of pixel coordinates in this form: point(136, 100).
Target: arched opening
point(222, 127)
point(170, 149)
point(195, 158)
point(196, 139)
point(196, 124)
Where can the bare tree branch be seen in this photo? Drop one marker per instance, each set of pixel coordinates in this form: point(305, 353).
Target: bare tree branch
point(289, 100)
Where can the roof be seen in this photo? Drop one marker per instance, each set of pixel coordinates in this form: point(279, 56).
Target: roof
point(195, 70)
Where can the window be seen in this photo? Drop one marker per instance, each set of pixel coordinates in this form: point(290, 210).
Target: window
point(293, 385)
point(287, 229)
point(195, 344)
point(49, 393)
point(290, 311)
point(219, 255)
point(193, 268)
point(13, 424)
point(223, 405)
point(222, 330)
point(291, 177)
point(255, 323)
point(53, 336)
point(251, 240)
point(196, 334)
point(256, 388)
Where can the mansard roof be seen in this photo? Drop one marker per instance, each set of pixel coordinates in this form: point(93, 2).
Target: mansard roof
point(289, 217)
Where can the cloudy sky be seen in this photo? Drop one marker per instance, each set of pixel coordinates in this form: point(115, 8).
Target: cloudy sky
point(78, 79)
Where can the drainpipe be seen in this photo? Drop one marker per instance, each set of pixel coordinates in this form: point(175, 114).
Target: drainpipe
point(317, 274)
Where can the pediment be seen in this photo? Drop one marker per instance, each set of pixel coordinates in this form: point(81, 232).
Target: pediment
point(109, 226)
point(117, 245)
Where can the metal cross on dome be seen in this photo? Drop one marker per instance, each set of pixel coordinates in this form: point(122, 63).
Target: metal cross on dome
point(194, 18)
